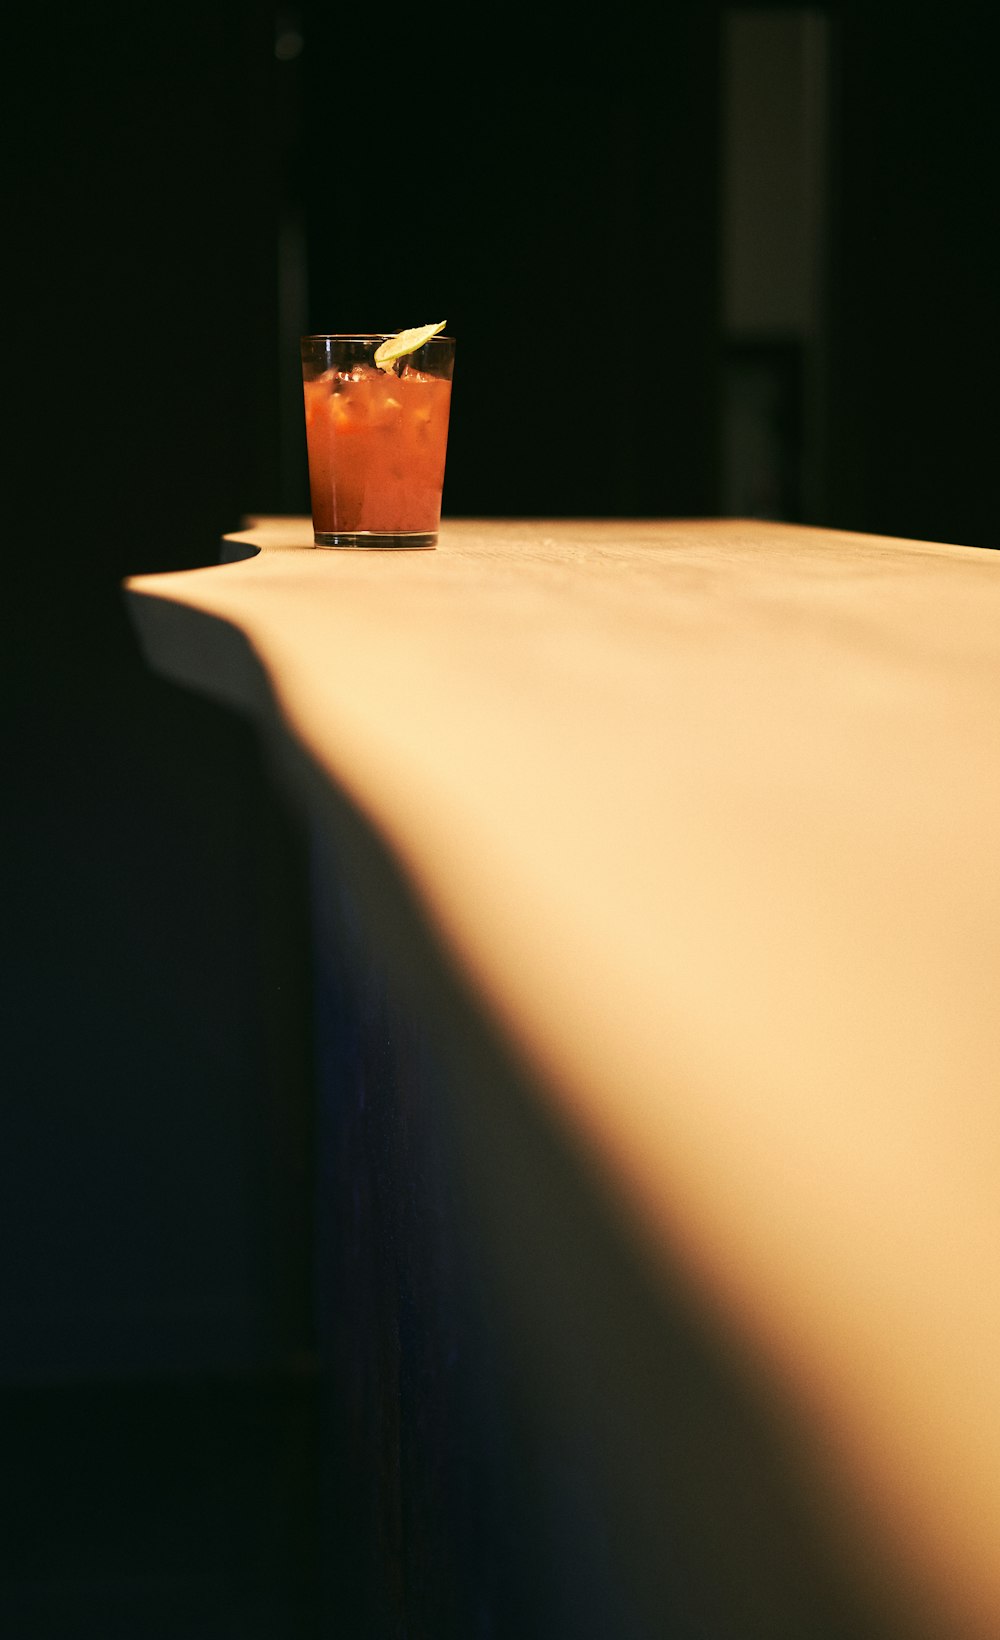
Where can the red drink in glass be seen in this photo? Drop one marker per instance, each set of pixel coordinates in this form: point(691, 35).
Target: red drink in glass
point(376, 441)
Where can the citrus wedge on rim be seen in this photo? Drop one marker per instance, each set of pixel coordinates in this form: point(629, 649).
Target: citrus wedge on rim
point(405, 341)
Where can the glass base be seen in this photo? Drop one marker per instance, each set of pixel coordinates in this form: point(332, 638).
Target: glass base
point(369, 538)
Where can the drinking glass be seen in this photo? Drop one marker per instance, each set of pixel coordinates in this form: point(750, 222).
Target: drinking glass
point(376, 440)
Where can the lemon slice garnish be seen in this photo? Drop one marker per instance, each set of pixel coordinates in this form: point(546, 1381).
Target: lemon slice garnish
point(405, 341)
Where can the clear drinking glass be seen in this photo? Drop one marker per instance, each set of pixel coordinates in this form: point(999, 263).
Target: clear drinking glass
point(376, 440)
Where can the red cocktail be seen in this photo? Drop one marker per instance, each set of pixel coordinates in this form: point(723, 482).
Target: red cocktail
point(376, 440)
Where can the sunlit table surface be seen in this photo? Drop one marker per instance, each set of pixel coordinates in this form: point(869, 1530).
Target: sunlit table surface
point(707, 814)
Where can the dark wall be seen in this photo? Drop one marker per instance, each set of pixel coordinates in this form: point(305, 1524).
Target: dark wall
point(552, 192)
point(144, 353)
point(914, 275)
point(154, 1187)
point(144, 211)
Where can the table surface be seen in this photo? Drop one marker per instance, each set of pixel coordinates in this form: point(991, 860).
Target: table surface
point(707, 811)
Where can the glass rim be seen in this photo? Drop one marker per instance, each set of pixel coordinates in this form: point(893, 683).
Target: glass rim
point(368, 336)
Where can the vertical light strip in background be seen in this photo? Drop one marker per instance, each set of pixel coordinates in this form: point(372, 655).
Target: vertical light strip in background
point(775, 107)
point(292, 265)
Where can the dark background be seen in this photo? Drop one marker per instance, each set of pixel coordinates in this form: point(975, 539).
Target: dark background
point(194, 186)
